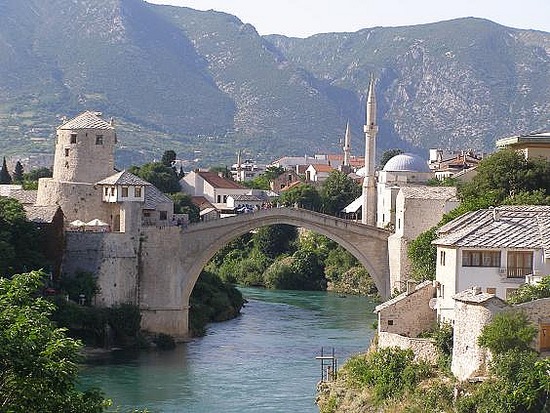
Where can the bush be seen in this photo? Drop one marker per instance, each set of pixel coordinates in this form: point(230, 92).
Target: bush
point(530, 292)
point(507, 331)
point(388, 372)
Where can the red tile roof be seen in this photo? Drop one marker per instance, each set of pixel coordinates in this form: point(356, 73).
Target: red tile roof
point(218, 181)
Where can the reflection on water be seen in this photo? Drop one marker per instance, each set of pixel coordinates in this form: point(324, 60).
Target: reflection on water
point(262, 361)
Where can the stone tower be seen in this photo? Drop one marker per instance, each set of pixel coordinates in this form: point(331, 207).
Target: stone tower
point(369, 184)
point(84, 149)
point(84, 155)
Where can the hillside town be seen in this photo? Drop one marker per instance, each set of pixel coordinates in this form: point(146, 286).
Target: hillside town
point(97, 217)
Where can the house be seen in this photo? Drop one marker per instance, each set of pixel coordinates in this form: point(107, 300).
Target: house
point(318, 172)
point(447, 164)
point(536, 145)
point(211, 185)
point(411, 219)
point(286, 179)
point(207, 211)
point(405, 317)
point(495, 249)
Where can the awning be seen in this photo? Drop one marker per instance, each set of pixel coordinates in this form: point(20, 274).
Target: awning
point(354, 206)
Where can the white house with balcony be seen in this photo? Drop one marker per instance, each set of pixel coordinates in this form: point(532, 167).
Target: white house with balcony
point(495, 249)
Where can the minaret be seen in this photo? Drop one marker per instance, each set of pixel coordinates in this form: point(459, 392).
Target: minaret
point(369, 184)
point(239, 177)
point(347, 148)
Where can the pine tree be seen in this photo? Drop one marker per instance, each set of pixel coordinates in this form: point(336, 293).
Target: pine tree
point(5, 177)
point(18, 173)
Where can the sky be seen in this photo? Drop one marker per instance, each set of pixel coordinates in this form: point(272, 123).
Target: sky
point(302, 18)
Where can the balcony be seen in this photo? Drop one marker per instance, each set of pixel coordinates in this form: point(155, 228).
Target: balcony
point(516, 272)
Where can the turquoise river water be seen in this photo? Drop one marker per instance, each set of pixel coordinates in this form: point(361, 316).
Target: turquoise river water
point(262, 361)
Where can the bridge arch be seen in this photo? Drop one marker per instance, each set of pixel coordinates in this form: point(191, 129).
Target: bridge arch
point(198, 243)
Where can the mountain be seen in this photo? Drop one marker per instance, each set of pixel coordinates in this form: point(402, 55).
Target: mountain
point(207, 85)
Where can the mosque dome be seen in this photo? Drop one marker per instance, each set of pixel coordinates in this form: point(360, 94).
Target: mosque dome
point(406, 162)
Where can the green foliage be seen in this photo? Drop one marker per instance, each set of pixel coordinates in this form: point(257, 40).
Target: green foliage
point(422, 254)
point(273, 172)
point(30, 179)
point(387, 372)
point(168, 158)
point(442, 334)
point(212, 300)
point(18, 173)
point(338, 261)
point(275, 240)
point(221, 169)
point(38, 362)
point(163, 177)
point(338, 191)
point(83, 282)
point(125, 319)
point(507, 330)
point(184, 205)
point(507, 174)
point(302, 196)
point(5, 177)
point(520, 384)
point(530, 292)
point(20, 240)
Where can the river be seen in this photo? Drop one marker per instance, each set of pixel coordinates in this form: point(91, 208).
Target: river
point(262, 361)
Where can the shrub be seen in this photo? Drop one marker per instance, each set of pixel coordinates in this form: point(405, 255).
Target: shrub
point(508, 330)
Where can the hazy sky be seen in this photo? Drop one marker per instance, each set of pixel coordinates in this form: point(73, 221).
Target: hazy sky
point(301, 18)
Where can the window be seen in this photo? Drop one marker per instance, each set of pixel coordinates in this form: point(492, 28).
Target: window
point(66, 151)
point(106, 191)
point(520, 264)
point(124, 193)
point(390, 322)
point(137, 191)
point(163, 215)
point(73, 137)
point(99, 139)
point(491, 290)
point(472, 258)
point(442, 258)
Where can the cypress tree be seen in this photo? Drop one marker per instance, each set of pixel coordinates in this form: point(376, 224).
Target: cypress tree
point(18, 173)
point(5, 177)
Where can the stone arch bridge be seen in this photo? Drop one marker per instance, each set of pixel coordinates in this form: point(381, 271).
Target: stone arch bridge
point(166, 282)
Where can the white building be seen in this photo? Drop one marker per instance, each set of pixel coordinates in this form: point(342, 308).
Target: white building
point(215, 188)
point(318, 172)
point(495, 249)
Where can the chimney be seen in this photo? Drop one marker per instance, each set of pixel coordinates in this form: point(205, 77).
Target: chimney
point(496, 215)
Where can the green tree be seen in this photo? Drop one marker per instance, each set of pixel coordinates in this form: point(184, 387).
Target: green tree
point(184, 205)
point(273, 172)
point(506, 174)
point(18, 173)
point(508, 330)
point(163, 177)
point(422, 254)
point(168, 158)
point(530, 292)
point(5, 177)
point(20, 240)
point(337, 192)
point(274, 240)
point(38, 362)
point(302, 196)
point(387, 155)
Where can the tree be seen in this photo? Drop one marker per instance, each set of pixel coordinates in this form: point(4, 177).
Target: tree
point(38, 362)
point(20, 246)
point(274, 240)
point(18, 173)
point(530, 292)
point(509, 330)
point(5, 177)
point(338, 191)
point(302, 196)
point(160, 175)
point(273, 172)
point(184, 205)
point(387, 155)
point(221, 169)
point(168, 158)
point(422, 254)
point(506, 174)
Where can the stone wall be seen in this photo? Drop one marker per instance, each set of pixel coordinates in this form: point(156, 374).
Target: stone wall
point(538, 312)
point(469, 359)
point(408, 314)
point(423, 348)
point(112, 257)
